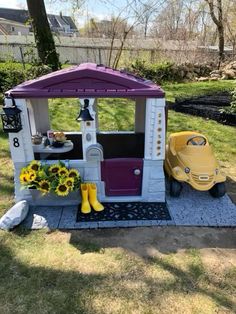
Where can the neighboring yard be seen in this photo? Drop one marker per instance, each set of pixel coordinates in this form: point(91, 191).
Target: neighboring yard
point(145, 270)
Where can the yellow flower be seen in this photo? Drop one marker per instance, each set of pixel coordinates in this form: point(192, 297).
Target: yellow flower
point(34, 165)
point(73, 173)
point(62, 189)
point(44, 186)
point(24, 170)
point(69, 182)
point(54, 169)
point(63, 171)
point(31, 175)
point(24, 178)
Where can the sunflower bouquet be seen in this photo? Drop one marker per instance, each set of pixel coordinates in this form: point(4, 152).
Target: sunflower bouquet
point(55, 178)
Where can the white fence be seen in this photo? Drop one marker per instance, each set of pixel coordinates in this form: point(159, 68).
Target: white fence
point(77, 50)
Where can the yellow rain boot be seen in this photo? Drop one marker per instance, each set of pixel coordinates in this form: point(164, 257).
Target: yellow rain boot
point(98, 207)
point(85, 206)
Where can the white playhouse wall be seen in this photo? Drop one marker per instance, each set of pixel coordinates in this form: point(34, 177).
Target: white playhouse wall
point(153, 186)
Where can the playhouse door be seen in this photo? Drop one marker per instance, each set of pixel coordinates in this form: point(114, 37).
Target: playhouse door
point(122, 176)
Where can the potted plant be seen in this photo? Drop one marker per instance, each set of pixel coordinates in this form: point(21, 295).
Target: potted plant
point(56, 178)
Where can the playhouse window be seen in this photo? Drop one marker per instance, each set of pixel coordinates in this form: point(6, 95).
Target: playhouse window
point(120, 125)
point(118, 133)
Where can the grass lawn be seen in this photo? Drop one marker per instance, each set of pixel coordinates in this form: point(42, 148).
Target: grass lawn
point(196, 89)
point(144, 270)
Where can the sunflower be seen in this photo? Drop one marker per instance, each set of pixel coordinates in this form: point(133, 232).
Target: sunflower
point(62, 189)
point(31, 176)
point(34, 165)
point(69, 182)
point(24, 178)
point(44, 186)
point(24, 170)
point(63, 171)
point(73, 173)
point(54, 169)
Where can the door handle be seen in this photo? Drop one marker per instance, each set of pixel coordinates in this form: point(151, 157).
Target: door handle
point(137, 172)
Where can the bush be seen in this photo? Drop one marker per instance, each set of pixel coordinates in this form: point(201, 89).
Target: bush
point(10, 76)
point(157, 72)
point(170, 72)
point(13, 73)
point(232, 108)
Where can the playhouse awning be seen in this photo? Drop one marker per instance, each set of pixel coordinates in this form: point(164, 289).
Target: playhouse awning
point(87, 80)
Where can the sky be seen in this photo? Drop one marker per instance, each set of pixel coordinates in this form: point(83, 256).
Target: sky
point(92, 9)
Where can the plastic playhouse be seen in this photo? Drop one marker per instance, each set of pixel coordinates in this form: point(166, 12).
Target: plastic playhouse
point(125, 166)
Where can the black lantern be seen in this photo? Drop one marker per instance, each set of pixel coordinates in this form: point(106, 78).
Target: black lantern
point(11, 119)
point(84, 114)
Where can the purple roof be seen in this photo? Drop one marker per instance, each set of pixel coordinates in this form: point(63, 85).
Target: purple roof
point(87, 80)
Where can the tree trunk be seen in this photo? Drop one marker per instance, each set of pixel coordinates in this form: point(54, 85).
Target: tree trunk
point(42, 32)
point(218, 20)
point(221, 44)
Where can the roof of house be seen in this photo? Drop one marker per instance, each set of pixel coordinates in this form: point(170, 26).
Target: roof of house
point(22, 16)
point(60, 21)
point(87, 80)
point(14, 23)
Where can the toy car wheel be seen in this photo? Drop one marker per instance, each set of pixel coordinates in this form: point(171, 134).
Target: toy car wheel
point(175, 188)
point(218, 190)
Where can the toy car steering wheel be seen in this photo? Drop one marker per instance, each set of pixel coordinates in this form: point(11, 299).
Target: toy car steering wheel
point(197, 140)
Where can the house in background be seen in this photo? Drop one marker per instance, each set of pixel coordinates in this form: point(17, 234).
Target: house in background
point(8, 27)
point(59, 24)
point(62, 25)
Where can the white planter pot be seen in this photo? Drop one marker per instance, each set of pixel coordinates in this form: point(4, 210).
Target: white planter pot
point(51, 199)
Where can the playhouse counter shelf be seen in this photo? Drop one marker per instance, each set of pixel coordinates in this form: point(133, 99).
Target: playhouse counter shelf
point(51, 149)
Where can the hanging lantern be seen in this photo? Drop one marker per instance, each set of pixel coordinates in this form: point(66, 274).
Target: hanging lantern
point(11, 119)
point(84, 114)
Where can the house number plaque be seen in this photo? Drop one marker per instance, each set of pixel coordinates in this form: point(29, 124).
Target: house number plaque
point(16, 142)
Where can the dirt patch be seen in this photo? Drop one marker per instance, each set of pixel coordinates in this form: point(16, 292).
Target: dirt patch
point(147, 242)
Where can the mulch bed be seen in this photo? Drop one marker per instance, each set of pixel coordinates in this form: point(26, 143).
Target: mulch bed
point(208, 106)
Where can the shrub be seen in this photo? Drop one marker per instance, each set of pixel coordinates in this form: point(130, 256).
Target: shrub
point(13, 73)
point(170, 72)
point(232, 108)
point(157, 72)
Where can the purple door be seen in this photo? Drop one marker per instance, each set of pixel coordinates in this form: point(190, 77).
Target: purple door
point(122, 176)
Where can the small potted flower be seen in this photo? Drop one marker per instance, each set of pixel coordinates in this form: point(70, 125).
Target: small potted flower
point(55, 178)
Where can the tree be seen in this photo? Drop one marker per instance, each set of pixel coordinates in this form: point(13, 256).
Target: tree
point(216, 12)
point(43, 36)
point(230, 25)
point(144, 11)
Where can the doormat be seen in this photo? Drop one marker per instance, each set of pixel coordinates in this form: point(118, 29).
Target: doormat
point(127, 212)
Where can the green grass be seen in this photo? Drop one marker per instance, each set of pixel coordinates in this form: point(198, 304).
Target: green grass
point(6, 174)
point(62, 272)
point(185, 90)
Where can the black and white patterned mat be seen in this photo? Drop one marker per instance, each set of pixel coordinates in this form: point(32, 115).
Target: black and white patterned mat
point(127, 211)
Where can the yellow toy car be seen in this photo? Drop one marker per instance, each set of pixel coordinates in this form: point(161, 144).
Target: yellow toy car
point(189, 158)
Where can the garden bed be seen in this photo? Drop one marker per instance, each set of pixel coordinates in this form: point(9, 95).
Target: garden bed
point(208, 106)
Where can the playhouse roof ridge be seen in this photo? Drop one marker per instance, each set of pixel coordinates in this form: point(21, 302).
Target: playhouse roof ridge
point(87, 80)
